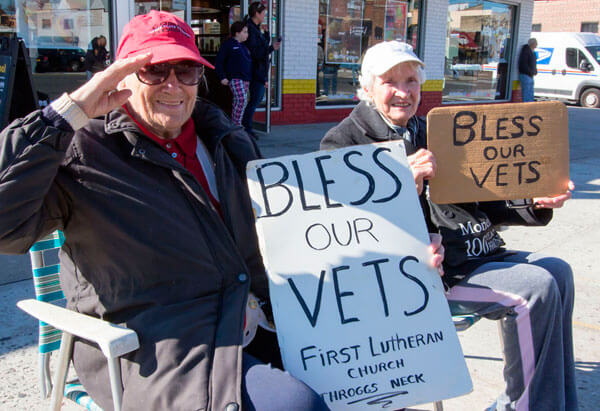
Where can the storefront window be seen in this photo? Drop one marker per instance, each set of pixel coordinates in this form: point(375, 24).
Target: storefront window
point(176, 7)
point(346, 29)
point(60, 35)
point(479, 46)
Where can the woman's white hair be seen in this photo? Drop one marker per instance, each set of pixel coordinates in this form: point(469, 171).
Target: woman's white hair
point(366, 79)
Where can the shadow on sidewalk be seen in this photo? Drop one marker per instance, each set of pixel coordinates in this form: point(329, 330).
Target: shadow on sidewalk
point(18, 329)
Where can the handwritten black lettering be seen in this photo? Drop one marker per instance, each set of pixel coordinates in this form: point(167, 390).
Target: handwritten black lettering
point(368, 176)
point(417, 281)
point(459, 124)
point(324, 181)
point(312, 317)
point(339, 294)
point(264, 188)
point(305, 207)
point(534, 125)
point(397, 182)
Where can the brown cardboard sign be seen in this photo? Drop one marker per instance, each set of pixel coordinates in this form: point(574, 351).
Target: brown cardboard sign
point(498, 152)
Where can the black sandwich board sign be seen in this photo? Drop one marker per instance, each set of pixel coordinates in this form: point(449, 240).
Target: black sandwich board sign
point(17, 92)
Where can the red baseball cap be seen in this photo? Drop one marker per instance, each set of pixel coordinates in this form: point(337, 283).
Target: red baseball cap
point(164, 34)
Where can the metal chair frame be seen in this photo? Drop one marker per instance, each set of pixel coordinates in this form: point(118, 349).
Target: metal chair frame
point(59, 325)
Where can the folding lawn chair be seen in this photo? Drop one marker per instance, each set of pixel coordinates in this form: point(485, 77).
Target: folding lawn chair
point(57, 327)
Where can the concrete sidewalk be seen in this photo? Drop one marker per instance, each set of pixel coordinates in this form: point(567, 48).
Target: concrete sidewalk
point(573, 235)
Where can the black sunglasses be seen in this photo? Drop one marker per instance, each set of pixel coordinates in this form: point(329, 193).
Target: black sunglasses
point(186, 73)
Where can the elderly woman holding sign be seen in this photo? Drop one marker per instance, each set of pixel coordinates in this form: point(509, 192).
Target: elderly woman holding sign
point(532, 294)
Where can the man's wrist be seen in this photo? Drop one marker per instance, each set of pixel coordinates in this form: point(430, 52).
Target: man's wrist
point(70, 111)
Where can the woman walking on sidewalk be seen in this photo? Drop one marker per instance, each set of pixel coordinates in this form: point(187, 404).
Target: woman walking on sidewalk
point(234, 68)
point(260, 50)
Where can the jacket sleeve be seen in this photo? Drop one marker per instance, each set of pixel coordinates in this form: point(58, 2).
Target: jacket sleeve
point(32, 204)
point(500, 213)
point(220, 61)
point(533, 64)
point(258, 49)
point(523, 61)
point(342, 135)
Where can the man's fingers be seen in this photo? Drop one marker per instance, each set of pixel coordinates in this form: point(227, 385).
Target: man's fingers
point(118, 98)
point(121, 69)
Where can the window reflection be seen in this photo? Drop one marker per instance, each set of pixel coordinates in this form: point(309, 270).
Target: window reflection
point(176, 7)
point(346, 29)
point(478, 50)
point(58, 35)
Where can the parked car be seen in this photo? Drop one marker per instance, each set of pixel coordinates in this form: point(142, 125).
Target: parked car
point(568, 67)
point(57, 54)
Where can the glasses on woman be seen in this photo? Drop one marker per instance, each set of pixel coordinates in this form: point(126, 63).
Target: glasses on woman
point(187, 73)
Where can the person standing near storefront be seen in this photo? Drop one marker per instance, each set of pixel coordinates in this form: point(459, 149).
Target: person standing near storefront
point(259, 44)
point(234, 68)
point(96, 58)
point(527, 69)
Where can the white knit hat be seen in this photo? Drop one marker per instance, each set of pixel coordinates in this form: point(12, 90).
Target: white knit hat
point(383, 56)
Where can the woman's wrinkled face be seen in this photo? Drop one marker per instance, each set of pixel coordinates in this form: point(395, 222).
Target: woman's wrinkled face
point(397, 93)
point(163, 108)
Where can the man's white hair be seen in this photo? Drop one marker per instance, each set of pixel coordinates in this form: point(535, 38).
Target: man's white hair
point(367, 77)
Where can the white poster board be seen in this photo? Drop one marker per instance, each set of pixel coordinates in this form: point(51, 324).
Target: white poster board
point(360, 317)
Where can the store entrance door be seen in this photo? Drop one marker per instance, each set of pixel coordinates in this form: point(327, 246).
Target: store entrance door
point(271, 24)
point(210, 21)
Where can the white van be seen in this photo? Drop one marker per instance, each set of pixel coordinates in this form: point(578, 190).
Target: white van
point(568, 66)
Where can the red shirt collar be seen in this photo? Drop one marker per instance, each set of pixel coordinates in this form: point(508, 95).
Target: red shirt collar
point(186, 141)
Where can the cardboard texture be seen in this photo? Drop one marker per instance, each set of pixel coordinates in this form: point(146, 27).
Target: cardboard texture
point(360, 316)
point(498, 152)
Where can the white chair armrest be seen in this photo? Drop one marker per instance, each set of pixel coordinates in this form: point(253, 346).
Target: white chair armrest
point(114, 340)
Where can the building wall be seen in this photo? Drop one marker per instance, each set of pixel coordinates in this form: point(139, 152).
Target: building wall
point(300, 60)
point(565, 15)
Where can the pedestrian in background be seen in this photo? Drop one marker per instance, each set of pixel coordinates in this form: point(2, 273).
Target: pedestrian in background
point(234, 68)
point(259, 44)
point(527, 69)
point(96, 58)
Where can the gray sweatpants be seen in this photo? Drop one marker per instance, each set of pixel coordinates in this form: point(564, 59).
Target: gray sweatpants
point(532, 297)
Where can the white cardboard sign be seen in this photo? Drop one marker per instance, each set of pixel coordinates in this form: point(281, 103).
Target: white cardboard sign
point(361, 318)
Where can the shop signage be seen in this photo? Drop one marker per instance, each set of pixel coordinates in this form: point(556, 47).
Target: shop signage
point(15, 75)
point(360, 316)
point(498, 152)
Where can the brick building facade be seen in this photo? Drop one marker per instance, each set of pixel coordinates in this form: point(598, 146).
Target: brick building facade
point(567, 15)
point(299, 60)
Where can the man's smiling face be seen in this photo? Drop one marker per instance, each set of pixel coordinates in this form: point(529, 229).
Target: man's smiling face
point(163, 108)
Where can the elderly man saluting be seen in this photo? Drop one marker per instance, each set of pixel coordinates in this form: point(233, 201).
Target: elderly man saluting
point(530, 293)
point(159, 232)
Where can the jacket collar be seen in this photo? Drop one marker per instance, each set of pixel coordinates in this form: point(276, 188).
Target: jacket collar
point(371, 123)
point(211, 125)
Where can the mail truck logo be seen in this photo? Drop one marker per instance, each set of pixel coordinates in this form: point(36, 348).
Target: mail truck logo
point(543, 55)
